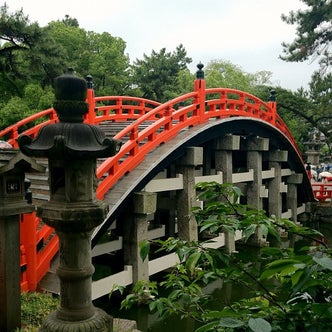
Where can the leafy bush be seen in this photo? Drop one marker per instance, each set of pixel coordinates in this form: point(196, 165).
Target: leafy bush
point(292, 291)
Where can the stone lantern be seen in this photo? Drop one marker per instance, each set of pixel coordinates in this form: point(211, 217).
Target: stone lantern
point(72, 147)
point(13, 165)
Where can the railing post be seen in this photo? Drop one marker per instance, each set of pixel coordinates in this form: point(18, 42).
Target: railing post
point(91, 115)
point(199, 87)
point(273, 104)
point(29, 241)
point(308, 171)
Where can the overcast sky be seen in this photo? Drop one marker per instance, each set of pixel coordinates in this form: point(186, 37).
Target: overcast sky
point(248, 33)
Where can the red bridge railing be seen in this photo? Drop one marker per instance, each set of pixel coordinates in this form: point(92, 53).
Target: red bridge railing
point(322, 191)
point(150, 124)
point(165, 121)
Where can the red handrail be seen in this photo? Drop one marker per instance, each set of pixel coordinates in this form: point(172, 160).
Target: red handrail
point(15, 130)
point(322, 191)
point(40, 245)
point(114, 108)
point(24, 277)
point(120, 108)
point(170, 118)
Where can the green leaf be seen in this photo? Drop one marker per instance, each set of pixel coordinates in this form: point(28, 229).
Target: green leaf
point(296, 277)
point(283, 266)
point(209, 259)
point(192, 260)
point(208, 225)
point(237, 193)
point(273, 232)
point(157, 305)
point(259, 325)
point(325, 262)
point(230, 322)
point(324, 310)
point(229, 229)
point(207, 327)
point(248, 231)
point(144, 247)
point(264, 229)
point(289, 270)
point(181, 254)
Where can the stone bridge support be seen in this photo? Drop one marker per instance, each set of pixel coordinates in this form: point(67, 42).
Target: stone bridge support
point(224, 148)
point(293, 181)
point(276, 186)
point(136, 231)
point(187, 226)
point(255, 146)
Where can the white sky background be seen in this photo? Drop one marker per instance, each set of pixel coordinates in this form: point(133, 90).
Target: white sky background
point(248, 33)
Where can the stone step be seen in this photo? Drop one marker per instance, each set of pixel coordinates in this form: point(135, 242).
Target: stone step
point(124, 325)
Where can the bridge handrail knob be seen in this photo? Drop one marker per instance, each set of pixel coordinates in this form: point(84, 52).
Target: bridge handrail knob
point(89, 82)
point(200, 71)
point(273, 95)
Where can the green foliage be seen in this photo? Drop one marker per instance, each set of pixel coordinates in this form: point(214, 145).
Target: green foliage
point(221, 73)
point(313, 41)
point(46, 99)
point(223, 212)
point(292, 291)
point(32, 95)
point(313, 33)
point(27, 53)
point(15, 110)
point(141, 293)
point(157, 76)
point(35, 307)
point(100, 55)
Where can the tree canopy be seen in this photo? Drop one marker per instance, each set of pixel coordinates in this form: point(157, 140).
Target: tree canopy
point(157, 75)
point(222, 73)
point(26, 53)
point(313, 33)
point(313, 42)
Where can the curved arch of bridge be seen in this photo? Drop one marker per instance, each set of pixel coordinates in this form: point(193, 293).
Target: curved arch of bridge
point(201, 135)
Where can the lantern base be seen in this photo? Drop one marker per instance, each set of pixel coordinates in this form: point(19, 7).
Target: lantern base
point(99, 322)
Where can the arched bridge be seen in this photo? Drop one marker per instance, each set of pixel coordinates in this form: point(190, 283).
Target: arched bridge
point(215, 134)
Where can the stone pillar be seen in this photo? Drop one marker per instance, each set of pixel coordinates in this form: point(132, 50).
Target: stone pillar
point(292, 182)
point(275, 193)
point(166, 206)
point(187, 226)
point(224, 148)
point(136, 231)
point(255, 147)
point(72, 148)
